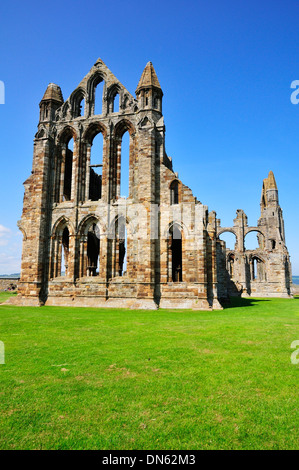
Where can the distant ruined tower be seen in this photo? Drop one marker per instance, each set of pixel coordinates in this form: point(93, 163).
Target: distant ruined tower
point(271, 214)
point(266, 271)
point(85, 244)
point(271, 224)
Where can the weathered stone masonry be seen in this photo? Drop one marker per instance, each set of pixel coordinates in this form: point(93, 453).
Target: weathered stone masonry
point(85, 244)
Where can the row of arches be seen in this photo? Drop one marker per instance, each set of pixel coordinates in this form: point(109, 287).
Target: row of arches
point(93, 161)
point(252, 240)
point(99, 161)
point(96, 98)
point(91, 253)
point(80, 254)
point(255, 267)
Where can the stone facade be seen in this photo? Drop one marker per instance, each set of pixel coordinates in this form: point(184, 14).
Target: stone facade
point(85, 244)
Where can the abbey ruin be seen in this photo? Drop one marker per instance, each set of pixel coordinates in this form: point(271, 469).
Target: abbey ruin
point(85, 244)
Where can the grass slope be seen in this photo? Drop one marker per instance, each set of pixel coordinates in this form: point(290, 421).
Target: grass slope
point(118, 379)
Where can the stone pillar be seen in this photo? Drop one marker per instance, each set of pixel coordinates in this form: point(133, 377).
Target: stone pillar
point(169, 259)
point(56, 177)
point(103, 258)
point(87, 171)
point(118, 166)
point(59, 256)
point(75, 170)
point(83, 257)
point(53, 249)
point(71, 257)
point(62, 171)
point(214, 266)
point(243, 272)
point(105, 169)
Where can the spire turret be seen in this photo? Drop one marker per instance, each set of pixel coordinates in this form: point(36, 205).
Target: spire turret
point(149, 92)
point(269, 192)
point(51, 101)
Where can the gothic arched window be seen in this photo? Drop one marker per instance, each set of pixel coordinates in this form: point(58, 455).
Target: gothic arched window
point(174, 192)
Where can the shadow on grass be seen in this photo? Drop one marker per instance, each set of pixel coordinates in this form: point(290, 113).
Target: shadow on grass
point(241, 302)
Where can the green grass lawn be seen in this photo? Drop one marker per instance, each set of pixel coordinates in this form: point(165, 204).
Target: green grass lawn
point(82, 378)
point(5, 295)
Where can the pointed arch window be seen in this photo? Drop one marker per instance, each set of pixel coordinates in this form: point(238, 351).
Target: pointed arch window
point(78, 105)
point(122, 249)
point(64, 265)
point(115, 107)
point(96, 168)
point(60, 252)
point(89, 250)
point(118, 248)
point(68, 171)
point(64, 162)
point(98, 96)
point(175, 254)
point(124, 165)
point(114, 101)
point(123, 172)
point(174, 192)
point(257, 269)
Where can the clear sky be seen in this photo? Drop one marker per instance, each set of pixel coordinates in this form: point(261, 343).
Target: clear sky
point(225, 68)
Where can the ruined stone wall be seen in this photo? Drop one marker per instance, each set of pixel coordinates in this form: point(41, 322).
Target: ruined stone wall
point(78, 229)
point(266, 271)
point(8, 284)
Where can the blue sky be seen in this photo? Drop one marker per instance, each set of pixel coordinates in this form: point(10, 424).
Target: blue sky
point(225, 68)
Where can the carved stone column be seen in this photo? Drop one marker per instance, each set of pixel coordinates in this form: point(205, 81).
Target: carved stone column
point(87, 171)
point(62, 171)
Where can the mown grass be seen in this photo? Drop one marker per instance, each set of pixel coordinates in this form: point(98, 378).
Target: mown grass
point(117, 379)
point(4, 295)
